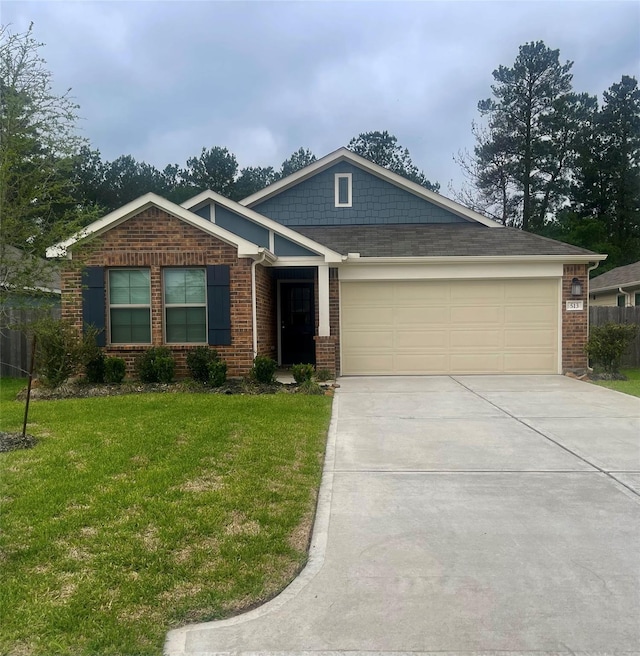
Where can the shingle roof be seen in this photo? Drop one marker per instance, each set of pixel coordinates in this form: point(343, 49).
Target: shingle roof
point(618, 277)
point(457, 239)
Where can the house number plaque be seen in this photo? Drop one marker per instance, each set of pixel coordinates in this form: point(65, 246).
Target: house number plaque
point(575, 305)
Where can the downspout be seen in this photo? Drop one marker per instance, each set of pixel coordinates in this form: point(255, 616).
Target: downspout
point(627, 295)
point(589, 270)
point(254, 301)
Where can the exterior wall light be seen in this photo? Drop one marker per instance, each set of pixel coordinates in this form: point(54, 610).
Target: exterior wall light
point(576, 287)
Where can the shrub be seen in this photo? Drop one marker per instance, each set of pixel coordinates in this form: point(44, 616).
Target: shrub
point(217, 373)
point(198, 362)
point(323, 375)
point(92, 356)
point(114, 370)
point(302, 372)
point(606, 345)
point(59, 351)
point(310, 387)
point(156, 365)
point(264, 369)
point(94, 368)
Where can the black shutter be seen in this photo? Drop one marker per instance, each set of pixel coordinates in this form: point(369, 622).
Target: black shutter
point(218, 305)
point(93, 310)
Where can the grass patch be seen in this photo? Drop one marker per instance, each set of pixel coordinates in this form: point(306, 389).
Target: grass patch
point(630, 386)
point(136, 514)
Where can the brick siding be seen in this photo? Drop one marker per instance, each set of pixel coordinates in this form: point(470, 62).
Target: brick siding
point(154, 239)
point(574, 323)
point(266, 315)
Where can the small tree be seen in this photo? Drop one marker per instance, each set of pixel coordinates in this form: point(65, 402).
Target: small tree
point(607, 344)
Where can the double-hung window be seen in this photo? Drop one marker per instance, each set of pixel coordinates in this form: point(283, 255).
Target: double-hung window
point(130, 306)
point(185, 306)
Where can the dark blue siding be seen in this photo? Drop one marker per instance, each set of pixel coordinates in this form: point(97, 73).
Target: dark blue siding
point(374, 202)
point(283, 246)
point(242, 227)
point(204, 212)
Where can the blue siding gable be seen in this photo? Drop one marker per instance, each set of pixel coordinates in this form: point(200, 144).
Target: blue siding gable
point(374, 202)
point(242, 227)
point(284, 246)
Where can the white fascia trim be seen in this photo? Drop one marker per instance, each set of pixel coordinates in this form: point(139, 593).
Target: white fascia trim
point(343, 154)
point(460, 259)
point(301, 261)
point(270, 224)
point(245, 248)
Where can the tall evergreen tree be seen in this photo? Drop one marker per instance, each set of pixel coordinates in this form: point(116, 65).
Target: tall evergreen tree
point(533, 120)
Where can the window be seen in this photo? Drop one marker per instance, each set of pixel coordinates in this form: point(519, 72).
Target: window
point(636, 300)
point(343, 189)
point(185, 306)
point(130, 306)
point(622, 300)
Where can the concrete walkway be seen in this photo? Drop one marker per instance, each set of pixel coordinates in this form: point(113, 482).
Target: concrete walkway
point(464, 515)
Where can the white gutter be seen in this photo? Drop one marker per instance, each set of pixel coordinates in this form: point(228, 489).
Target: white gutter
point(627, 303)
point(356, 258)
point(254, 300)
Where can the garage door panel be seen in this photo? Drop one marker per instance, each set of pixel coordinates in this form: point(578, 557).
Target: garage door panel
point(476, 338)
point(531, 315)
point(444, 326)
point(371, 339)
point(528, 363)
point(477, 315)
point(529, 338)
point(422, 339)
point(422, 316)
point(475, 363)
point(421, 362)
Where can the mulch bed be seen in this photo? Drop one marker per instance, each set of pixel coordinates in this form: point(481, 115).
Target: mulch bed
point(13, 441)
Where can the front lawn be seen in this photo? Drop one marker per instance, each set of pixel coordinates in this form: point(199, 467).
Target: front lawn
point(136, 514)
point(630, 386)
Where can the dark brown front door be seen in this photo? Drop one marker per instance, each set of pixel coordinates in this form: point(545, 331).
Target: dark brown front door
point(297, 323)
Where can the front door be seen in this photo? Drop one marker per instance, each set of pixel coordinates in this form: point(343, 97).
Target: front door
point(297, 323)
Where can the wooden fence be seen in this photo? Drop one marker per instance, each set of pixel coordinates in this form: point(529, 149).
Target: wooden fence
point(15, 345)
point(598, 316)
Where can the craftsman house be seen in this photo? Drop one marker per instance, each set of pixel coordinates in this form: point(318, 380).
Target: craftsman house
point(342, 264)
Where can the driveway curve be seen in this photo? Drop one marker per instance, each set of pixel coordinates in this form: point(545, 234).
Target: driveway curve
point(466, 515)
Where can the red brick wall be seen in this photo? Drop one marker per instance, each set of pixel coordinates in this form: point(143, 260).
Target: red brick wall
point(334, 313)
point(155, 239)
point(574, 323)
point(266, 316)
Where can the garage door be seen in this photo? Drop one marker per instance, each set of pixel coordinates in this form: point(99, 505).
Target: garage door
point(450, 327)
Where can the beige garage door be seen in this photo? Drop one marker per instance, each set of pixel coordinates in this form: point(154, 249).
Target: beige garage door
point(450, 327)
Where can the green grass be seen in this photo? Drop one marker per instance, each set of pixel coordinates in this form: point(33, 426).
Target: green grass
point(630, 386)
point(136, 514)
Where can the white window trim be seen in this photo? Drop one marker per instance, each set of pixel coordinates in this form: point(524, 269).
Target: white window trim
point(338, 177)
point(166, 306)
point(121, 306)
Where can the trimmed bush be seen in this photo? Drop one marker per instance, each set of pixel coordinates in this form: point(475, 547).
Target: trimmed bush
point(156, 365)
point(323, 375)
point(264, 369)
point(94, 368)
point(302, 372)
point(59, 351)
point(310, 387)
point(198, 362)
point(606, 345)
point(217, 373)
point(114, 370)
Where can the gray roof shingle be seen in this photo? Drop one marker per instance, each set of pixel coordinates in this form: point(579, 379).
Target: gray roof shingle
point(422, 240)
point(618, 277)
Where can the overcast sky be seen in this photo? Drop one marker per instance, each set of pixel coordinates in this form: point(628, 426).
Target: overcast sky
point(161, 80)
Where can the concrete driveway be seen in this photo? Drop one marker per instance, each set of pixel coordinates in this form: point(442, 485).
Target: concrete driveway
point(464, 514)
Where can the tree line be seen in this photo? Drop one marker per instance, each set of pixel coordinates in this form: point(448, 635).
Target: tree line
point(553, 161)
point(546, 159)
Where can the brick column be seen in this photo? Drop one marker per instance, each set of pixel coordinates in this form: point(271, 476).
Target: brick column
point(326, 352)
point(574, 322)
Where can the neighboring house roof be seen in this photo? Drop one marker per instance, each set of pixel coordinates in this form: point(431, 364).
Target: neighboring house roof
point(43, 275)
point(345, 155)
point(450, 239)
point(624, 276)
